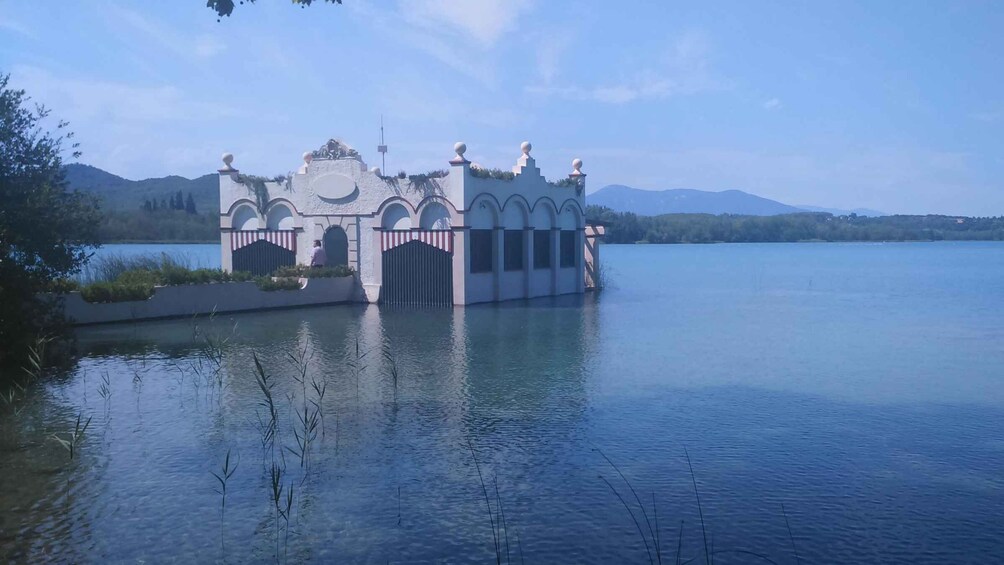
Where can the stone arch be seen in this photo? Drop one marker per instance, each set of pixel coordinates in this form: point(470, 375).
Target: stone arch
point(280, 217)
point(570, 216)
point(544, 215)
point(244, 217)
point(484, 213)
point(395, 216)
point(435, 216)
point(516, 213)
point(336, 246)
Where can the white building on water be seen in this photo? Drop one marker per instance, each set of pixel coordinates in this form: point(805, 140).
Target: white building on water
point(462, 235)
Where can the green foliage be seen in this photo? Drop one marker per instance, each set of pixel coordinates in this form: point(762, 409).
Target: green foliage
point(226, 7)
point(46, 231)
point(104, 292)
point(497, 174)
point(268, 284)
point(564, 183)
point(112, 266)
point(425, 177)
point(305, 271)
point(706, 228)
point(160, 225)
point(134, 278)
point(62, 286)
point(256, 187)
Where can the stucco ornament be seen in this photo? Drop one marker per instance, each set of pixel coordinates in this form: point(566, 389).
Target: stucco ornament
point(460, 147)
point(577, 175)
point(335, 149)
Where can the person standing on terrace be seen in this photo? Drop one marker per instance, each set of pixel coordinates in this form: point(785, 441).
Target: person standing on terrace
point(318, 258)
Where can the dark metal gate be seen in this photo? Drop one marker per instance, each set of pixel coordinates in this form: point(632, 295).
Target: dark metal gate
point(417, 273)
point(262, 258)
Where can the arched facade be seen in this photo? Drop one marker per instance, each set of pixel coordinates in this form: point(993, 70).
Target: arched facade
point(499, 236)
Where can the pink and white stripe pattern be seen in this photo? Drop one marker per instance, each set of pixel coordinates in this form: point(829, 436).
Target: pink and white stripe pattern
point(285, 238)
point(440, 239)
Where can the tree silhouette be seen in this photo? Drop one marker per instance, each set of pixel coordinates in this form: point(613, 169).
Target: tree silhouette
point(46, 231)
point(226, 7)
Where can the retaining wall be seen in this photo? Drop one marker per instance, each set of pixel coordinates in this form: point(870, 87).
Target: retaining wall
point(189, 300)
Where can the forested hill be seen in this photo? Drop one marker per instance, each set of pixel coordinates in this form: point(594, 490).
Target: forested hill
point(117, 193)
point(706, 228)
point(166, 209)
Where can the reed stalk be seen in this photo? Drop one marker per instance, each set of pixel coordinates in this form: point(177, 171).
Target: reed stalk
point(73, 440)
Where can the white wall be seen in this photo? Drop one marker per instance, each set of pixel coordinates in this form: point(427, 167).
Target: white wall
point(344, 192)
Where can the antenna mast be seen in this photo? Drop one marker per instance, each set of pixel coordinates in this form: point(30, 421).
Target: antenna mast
point(382, 148)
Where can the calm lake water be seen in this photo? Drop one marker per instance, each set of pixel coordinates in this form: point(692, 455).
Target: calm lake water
point(861, 386)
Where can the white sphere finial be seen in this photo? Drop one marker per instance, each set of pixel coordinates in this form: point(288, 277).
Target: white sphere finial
point(228, 158)
point(526, 147)
point(460, 147)
point(577, 165)
point(308, 157)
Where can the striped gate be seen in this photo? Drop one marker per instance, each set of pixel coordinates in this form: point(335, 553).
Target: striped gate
point(262, 252)
point(417, 267)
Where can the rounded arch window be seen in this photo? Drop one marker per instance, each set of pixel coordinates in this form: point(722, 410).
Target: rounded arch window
point(514, 216)
point(244, 218)
point(543, 216)
point(435, 216)
point(279, 217)
point(568, 219)
point(482, 215)
point(396, 217)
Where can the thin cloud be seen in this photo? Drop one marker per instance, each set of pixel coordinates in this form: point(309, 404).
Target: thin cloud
point(114, 103)
point(772, 104)
point(685, 69)
point(18, 28)
point(483, 22)
point(203, 46)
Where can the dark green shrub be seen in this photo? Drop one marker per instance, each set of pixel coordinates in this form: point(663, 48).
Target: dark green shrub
point(139, 276)
point(103, 292)
point(497, 174)
point(314, 272)
point(268, 284)
point(62, 286)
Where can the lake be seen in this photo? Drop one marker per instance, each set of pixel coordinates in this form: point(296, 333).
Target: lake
point(860, 387)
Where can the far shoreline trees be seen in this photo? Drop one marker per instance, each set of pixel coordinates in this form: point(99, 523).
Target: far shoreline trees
point(625, 227)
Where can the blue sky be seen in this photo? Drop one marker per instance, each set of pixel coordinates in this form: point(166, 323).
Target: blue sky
point(897, 106)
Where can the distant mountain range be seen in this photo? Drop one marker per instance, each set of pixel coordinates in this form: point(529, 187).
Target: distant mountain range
point(117, 193)
point(622, 198)
point(120, 194)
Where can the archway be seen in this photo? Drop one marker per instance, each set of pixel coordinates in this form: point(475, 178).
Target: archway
point(336, 246)
point(244, 218)
point(435, 216)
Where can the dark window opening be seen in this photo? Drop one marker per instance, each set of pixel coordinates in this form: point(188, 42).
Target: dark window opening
point(542, 249)
point(482, 251)
point(513, 250)
point(567, 248)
